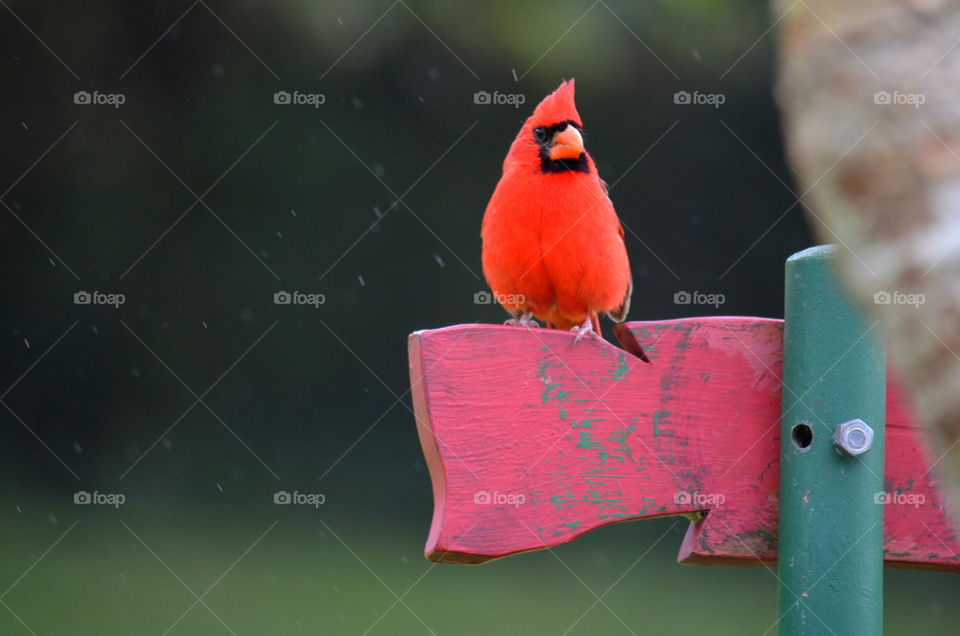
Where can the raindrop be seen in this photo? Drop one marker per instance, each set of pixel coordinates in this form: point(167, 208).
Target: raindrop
point(220, 487)
point(696, 54)
point(135, 372)
point(218, 70)
point(279, 234)
point(167, 443)
point(24, 124)
point(376, 210)
point(26, 342)
point(246, 315)
point(293, 212)
point(433, 74)
point(264, 253)
point(515, 78)
point(439, 260)
point(357, 103)
point(340, 21)
point(53, 519)
point(363, 283)
point(18, 509)
point(76, 447)
point(53, 262)
point(94, 329)
point(204, 323)
point(378, 169)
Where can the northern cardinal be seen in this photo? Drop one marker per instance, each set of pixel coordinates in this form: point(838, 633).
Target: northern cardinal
point(553, 246)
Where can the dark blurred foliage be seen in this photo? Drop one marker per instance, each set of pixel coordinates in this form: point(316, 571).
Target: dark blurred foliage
point(304, 203)
point(315, 399)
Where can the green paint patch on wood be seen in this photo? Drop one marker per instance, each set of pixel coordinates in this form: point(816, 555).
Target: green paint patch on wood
point(586, 441)
point(642, 465)
point(684, 343)
point(561, 395)
point(651, 506)
point(621, 368)
point(649, 335)
point(561, 502)
point(660, 418)
point(586, 422)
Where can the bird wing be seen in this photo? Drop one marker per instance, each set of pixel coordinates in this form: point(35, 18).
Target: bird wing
point(620, 314)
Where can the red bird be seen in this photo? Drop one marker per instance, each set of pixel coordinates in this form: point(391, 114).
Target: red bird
point(552, 243)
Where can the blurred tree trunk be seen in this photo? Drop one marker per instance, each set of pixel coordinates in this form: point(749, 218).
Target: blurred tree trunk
point(870, 93)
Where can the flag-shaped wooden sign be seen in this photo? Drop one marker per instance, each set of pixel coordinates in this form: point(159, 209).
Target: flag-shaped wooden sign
point(533, 439)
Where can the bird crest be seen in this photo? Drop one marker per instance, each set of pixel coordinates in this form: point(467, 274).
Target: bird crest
point(558, 106)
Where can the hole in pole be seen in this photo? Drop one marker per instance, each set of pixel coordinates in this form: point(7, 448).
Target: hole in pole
point(802, 436)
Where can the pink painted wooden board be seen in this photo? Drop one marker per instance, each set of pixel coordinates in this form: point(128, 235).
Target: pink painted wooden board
point(532, 441)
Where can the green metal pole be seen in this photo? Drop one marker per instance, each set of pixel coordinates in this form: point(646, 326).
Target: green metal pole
point(834, 397)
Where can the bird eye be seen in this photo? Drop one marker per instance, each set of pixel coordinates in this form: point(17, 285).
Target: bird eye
point(540, 134)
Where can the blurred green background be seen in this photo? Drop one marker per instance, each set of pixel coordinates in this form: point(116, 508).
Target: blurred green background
point(296, 197)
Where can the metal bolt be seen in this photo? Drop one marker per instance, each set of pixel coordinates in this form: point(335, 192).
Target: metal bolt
point(853, 438)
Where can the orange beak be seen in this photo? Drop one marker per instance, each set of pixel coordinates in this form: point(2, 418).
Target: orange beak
point(567, 144)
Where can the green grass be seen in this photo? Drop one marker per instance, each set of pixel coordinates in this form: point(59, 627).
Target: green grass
point(300, 579)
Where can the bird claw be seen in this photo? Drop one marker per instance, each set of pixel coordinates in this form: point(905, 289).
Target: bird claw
point(525, 320)
point(585, 329)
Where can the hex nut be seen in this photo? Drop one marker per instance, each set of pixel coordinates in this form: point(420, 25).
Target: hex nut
point(853, 438)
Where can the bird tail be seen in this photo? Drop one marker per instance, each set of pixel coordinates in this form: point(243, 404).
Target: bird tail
point(620, 313)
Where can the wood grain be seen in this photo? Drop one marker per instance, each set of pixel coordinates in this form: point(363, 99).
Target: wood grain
point(532, 440)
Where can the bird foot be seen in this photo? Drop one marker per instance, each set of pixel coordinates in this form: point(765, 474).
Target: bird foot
point(585, 329)
point(525, 320)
